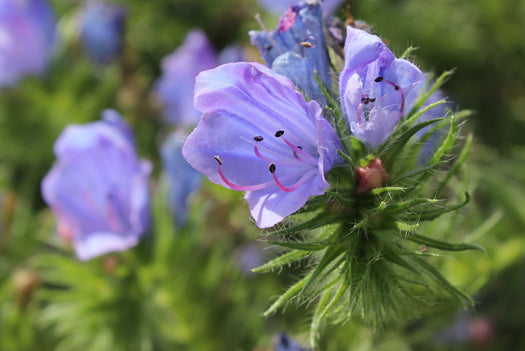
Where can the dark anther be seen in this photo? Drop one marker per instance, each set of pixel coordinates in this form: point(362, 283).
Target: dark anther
point(365, 100)
point(299, 147)
point(372, 100)
point(218, 159)
point(268, 48)
point(378, 79)
point(258, 138)
point(279, 133)
point(272, 168)
point(396, 87)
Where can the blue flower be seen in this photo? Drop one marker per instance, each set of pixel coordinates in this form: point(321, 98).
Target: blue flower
point(296, 49)
point(258, 134)
point(175, 88)
point(102, 31)
point(279, 6)
point(284, 343)
point(373, 87)
point(98, 188)
point(27, 34)
point(231, 53)
point(183, 179)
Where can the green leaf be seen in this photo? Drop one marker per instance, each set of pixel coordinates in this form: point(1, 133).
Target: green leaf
point(329, 96)
point(287, 258)
point(405, 205)
point(439, 82)
point(443, 245)
point(407, 52)
point(459, 162)
point(448, 143)
point(316, 222)
point(321, 312)
point(316, 320)
point(287, 295)
point(433, 273)
point(433, 214)
point(409, 121)
point(378, 191)
point(407, 227)
point(331, 253)
point(316, 246)
point(390, 151)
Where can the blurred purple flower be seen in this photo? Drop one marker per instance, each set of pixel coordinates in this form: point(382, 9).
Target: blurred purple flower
point(296, 49)
point(102, 30)
point(258, 134)
point(249, 256)
point(183, 179)
point(231, 53)
point(98, 188)
point(284, 343)
point(277, 7)
point(27, 33)
point(373, 86)
point(175, 88)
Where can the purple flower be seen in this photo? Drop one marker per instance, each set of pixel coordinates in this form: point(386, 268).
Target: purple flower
point(296, 49)
point(279, 6)
point(284, 343)
point(258, 135)
point(98, 188)
point(175, 88)
point(27, 33)
point(183, 179)
point(231, 53)
point(373, 86)
point(102, 31)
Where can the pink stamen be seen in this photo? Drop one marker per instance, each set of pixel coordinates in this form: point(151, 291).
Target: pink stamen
point(261, 156)
point(239, 187)
point(397, 88)
point(296, 150)
point(293, 187)
point(359, 114)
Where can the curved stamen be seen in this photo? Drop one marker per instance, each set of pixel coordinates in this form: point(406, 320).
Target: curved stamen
point(279, 157)
point(296, 149)
point(294, 187)
point(239, 187)
point(262, 157)
point(359, 113)
point(397, 88)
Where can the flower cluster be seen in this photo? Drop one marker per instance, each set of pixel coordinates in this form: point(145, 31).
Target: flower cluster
point(347, 165)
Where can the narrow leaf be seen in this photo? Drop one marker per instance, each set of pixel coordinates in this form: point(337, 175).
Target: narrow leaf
point(433, 214)
point(461, 159)
point(443, 245)
point(287, 258)
point(286, 296)
point(316, 222)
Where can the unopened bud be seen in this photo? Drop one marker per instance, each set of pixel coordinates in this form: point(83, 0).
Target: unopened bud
point(371, 177)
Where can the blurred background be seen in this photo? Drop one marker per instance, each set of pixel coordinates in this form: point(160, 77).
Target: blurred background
point(191, 288)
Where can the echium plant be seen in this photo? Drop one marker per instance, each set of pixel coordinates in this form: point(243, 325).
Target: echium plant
point(342, 178)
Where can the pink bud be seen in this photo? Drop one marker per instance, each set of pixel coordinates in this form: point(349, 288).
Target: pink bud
point(371, 177)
